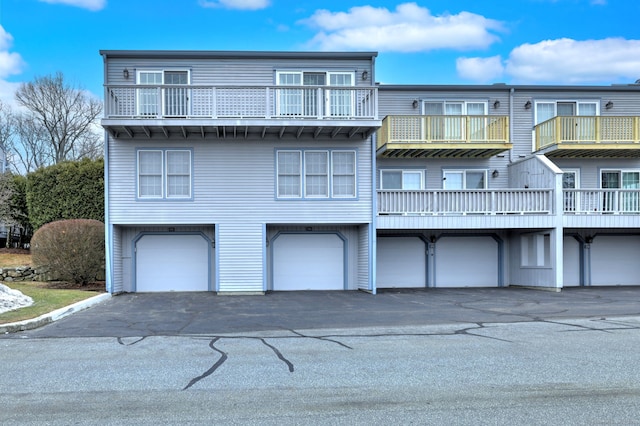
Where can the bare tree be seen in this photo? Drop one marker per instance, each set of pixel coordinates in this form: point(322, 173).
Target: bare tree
point(66, 115)
point(6, 132)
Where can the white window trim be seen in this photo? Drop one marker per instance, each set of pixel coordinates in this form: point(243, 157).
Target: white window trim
point(464, 177)
point(555, 103)
point(160, 71)
point(302, 181)
point(326, 173)
point(422, 173)
point(464, 103)
point(164, 181)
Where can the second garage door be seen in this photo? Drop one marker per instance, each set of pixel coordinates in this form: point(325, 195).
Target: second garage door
point(172, 263)
point(467, 262)
point(308, 262)
point(401, 262)
point(614, 260)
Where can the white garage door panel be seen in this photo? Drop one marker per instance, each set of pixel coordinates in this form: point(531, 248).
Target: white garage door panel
point(308, 262)
point(401, 262)
point(172, 263)
point(571, 262)
point(466, 262)
point(615, 260)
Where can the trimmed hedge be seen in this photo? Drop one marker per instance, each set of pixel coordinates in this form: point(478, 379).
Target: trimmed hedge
point(70, 250)
point(69, 190)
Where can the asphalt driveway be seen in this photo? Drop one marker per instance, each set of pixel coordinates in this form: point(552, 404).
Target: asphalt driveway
point(171, 314)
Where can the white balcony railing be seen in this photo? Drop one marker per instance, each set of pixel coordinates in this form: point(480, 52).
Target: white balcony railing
point(598, 201)
point(481, 201)
point(243, 102)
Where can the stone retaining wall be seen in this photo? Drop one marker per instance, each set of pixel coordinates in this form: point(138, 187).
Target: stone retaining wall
point(21, 273)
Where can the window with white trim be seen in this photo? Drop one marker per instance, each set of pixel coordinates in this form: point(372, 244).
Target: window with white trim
point(164, 174)
point(168, 101)
point(430, 107)
point(316, 101)
point(545, 110)
point(465, 179)
point(313, 174)
point(401, 179)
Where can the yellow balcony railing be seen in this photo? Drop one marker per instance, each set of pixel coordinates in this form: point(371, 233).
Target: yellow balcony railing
point(588, 130)
point(443, 129)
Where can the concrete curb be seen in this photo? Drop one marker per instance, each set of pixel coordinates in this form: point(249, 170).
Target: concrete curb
point(56, 315)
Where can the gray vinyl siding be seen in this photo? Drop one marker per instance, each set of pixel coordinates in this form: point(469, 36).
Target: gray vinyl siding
point(116, 261)
point(543, 277)
point(245, 71)
point(241, 250)
point(233, 179)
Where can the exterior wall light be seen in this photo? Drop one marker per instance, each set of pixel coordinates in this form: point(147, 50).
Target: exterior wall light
point(125, 74)
point(415, 103)
point(609, 105)
point(496, 104)
point(527, 105)
point(495, 173)
point(365, 75)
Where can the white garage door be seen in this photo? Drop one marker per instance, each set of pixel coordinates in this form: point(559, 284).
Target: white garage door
point(615, 260)
point(308, 262)
point(401, 262)
point(172, 263)
point(466, 262)
point(571, 262)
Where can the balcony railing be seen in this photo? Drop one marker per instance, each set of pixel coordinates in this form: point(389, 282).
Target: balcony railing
point(478, 201)
point(592, 130)
point(241, 102)
point(412, 129)
point(599, 201)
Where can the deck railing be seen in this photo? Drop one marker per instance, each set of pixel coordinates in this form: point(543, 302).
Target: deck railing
point(598, 201)
point(245, 102)
point(478, 201)
point(597, 130)
point(413, 129)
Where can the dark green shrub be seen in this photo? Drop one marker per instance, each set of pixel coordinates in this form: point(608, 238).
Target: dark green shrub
point(69, 190)
point(70, 250)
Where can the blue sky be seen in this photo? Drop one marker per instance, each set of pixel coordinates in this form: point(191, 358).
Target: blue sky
point(422, 42)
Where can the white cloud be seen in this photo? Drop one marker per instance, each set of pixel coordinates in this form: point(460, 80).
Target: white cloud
point(93, 5)
point(480, 69)
point(569, 61)
point(560, 61)
point(11, 63)
point(408, 28)
point(236, 4)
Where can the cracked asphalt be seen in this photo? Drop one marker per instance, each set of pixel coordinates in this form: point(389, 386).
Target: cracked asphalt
point(439, 356)
point(175, 314)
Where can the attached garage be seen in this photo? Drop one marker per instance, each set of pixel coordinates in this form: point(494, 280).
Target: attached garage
point(401, 262)
point(467, 262)
point(308, 262)
point(615, 260)
point(172, 262)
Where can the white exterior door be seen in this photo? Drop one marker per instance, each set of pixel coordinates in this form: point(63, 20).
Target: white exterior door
point(308, 262)
point(614, 260)
point(172, 263)
point(401, 262)
point(466, 262)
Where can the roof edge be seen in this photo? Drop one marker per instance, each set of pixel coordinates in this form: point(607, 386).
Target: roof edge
point(232, 54)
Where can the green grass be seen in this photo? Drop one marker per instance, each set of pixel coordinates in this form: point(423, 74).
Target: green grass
point(45, 300)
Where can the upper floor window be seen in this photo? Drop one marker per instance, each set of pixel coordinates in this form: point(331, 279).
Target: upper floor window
point(315, 101)
point(454, 108)
point(402, 179)
point(465, 179)
point(546, 110)
point(316, 174)
point(170, 101)
point(164, 173)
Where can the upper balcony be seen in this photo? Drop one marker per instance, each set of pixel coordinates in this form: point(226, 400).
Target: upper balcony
point(443, 136)
point(589, 137)
point(185, 111)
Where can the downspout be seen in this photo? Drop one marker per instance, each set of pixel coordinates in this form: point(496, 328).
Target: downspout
point(511, 95)
point(108, 235)
point(373, 238)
